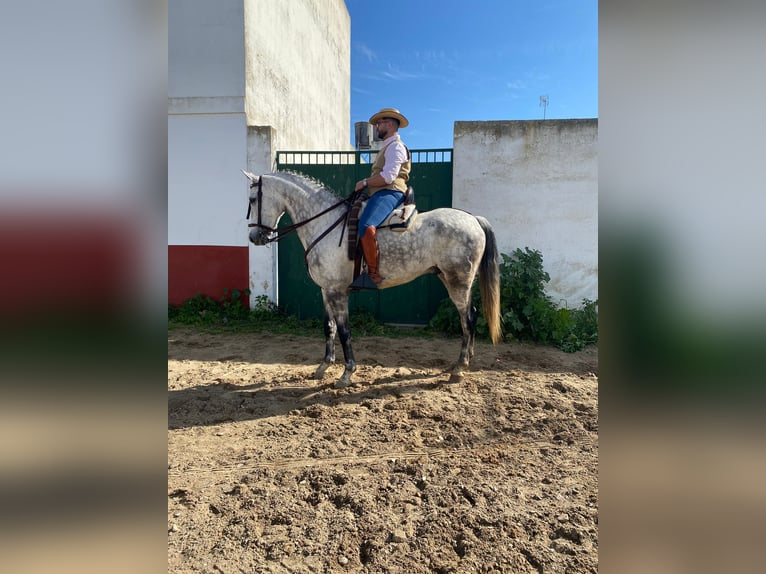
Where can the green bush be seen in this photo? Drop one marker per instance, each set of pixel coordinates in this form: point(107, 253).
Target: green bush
point(203, 309)
point(528, 314)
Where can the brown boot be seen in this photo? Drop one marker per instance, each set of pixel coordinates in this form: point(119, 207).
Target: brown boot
point(371, 253)
point(370, 279)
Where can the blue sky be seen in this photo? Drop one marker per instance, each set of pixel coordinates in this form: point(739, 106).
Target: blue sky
point(443, 61)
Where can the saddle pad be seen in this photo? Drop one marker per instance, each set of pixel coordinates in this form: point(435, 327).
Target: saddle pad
point(401, 217)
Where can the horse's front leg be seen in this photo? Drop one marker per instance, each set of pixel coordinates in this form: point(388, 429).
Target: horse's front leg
point(337, 302)
point(329, 350)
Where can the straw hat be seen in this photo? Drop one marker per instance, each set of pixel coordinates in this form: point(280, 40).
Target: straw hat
point(390, 113)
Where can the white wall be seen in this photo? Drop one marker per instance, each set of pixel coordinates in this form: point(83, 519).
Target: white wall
point(207, 193)
point(207, 133)
point(537, 183)
point(206, 49)
point(245, 79)
point(299, 72)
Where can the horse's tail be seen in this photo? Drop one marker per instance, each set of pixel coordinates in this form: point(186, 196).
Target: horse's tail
point(489, 281)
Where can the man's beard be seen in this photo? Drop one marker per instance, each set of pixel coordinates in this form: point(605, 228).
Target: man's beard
point(382, 133)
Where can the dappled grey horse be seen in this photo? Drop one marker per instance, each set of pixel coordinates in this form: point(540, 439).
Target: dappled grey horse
point(451, 243)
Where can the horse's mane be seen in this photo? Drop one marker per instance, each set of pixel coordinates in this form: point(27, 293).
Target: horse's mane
point(308, 183)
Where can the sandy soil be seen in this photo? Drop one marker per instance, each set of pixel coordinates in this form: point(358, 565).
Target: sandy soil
point(270, 470)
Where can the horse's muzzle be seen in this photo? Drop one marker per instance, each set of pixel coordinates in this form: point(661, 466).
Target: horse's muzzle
point(259, 236)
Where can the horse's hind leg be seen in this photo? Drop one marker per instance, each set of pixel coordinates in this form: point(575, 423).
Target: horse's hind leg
point(460, 294)
point(330, 329)
point(472, 316)
point(468, 325)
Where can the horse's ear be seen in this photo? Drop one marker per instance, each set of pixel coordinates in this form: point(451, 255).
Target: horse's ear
point(252, 177)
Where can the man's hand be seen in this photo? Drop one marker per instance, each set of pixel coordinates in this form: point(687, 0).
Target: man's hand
point(360, 185)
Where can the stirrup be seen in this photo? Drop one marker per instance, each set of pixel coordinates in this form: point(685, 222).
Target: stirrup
point(363, 282)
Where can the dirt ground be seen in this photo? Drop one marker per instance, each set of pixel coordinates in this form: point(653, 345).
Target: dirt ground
point(270, 470)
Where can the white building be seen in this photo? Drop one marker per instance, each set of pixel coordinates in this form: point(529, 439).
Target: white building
point(245, 78)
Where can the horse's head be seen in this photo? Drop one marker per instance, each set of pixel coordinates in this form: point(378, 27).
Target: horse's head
point(262, 212)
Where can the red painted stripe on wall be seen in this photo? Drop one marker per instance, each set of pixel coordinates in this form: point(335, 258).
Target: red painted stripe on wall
point(80, 264)
point(205, 269)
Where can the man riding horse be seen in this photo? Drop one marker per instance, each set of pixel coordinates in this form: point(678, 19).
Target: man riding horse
point(386, 186)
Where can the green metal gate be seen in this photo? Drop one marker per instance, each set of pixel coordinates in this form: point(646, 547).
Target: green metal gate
point(414, 303)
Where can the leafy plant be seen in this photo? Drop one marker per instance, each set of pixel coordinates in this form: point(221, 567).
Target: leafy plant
point(264, 307)
point(528, 314)
point(446, 319)
point(364, 323)
point(203, 309)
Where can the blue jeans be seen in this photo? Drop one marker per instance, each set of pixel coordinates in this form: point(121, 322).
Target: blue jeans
point(378, 208)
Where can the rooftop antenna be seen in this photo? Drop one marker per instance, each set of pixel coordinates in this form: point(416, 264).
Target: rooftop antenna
point(544, 104)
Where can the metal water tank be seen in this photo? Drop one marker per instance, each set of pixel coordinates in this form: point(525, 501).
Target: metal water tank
point(362, 135)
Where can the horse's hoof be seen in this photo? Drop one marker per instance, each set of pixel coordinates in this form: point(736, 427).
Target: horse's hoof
point(319, 373)
point(344, 381)
point(455, 378)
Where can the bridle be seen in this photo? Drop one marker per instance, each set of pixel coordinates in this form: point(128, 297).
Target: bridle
point(259, 201)
point(280, 232)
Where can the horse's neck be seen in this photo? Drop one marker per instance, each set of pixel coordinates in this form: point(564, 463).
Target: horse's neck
point(302, 203)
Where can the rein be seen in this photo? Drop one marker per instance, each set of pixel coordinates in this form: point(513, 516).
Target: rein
point(281, 232)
